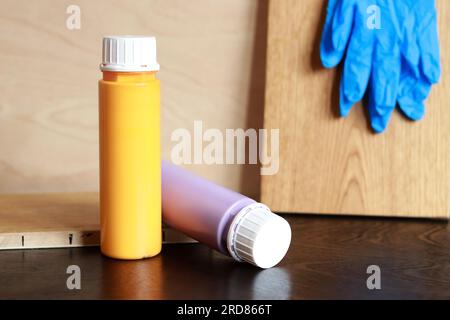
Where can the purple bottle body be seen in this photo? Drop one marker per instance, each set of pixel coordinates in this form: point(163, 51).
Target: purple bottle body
point(198, 207)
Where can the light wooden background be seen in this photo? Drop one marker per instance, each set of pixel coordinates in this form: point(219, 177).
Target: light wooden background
point(212, 54)
point(337, 165)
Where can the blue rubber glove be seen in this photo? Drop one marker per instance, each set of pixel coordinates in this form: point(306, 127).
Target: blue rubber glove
point(391, 48)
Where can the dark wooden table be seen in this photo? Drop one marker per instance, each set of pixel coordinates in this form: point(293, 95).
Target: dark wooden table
point(328, 259)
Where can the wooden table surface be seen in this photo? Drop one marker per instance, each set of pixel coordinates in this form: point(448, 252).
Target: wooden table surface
point(328, 258)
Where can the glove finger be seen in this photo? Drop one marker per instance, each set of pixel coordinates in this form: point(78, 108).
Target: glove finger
point(379, 121)
point(357, 68)
point(413, 91)
point(379, 114)
point(331, 8)
point(336, 32)
point(384, 84)
point(326, 44)
point(428, 40)
point(342, 23)
point(410, 48)
point(412, 109)
point(385, 75)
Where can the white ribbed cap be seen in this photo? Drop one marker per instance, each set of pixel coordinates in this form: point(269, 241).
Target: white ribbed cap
point(129, 54)
point(258, 236)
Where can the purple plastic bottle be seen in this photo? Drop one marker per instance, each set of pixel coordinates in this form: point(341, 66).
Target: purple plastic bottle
point(223, 219)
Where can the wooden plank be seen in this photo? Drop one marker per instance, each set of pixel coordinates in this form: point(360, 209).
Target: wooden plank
point(56, 220)
point(332, 165)
point(49, 239)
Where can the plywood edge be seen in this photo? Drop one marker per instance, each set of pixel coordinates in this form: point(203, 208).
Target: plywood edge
point(49, 239)
point(71, 238)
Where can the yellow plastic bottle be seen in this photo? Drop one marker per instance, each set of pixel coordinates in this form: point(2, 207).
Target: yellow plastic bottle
point(130, 159)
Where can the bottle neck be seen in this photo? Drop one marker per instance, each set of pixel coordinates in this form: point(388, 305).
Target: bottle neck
point(129, 76)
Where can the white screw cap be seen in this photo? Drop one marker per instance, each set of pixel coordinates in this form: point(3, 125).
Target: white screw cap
point(258, 236)
point(129, 54)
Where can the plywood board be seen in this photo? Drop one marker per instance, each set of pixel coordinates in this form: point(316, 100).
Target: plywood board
point(55, 220)
point(212, 56)
point(332, 165)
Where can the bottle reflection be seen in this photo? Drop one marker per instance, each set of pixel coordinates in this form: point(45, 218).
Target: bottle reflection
point(191, 271)
point(140, 279)
point(197, 272)
point(260, 284)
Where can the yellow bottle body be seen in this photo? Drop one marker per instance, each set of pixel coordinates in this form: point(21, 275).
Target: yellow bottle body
point(130, 165)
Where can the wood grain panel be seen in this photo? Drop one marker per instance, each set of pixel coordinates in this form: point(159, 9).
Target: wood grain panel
point(212, 55)
point(337, 165)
